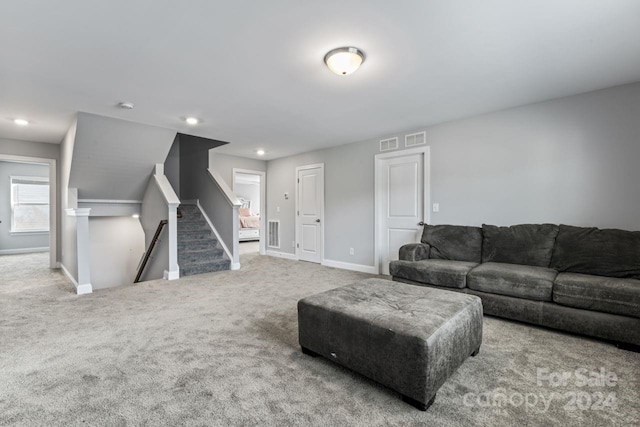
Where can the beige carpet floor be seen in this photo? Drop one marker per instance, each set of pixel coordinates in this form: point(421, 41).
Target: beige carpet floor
point(221, 349)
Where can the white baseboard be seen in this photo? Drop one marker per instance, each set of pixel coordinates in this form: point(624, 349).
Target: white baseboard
point(282, 255)
point(22, 251)
point(84, 289)
point(348, 266)
point(80, 289)
point(171, 275)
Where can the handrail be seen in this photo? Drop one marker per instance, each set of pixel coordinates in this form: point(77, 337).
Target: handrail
point(147, 255)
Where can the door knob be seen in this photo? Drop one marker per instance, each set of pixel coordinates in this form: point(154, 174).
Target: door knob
point(421, 223)
point(318, 220)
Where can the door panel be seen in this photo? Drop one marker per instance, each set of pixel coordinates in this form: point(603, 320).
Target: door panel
point(309, 242)
point(403, 201)
point(310, 207)
point(403, 204)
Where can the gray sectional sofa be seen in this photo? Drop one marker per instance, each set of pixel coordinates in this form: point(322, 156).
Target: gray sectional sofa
point(581, 280)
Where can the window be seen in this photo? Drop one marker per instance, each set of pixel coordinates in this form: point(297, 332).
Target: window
point(29, 204)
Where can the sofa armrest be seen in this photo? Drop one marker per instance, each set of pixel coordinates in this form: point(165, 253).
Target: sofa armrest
point(414, 252)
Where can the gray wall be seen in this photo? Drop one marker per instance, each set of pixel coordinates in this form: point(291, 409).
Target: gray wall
point(224, 165)
point(9, 242)
point(571, 160)
point(154, 210)
point(172, 166)
point(113, 159)
point(69, 200)
point(40, 150)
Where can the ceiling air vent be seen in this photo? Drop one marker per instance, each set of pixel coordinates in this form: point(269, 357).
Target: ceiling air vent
point(414, 139)
point(388, 144)
point(273, 228)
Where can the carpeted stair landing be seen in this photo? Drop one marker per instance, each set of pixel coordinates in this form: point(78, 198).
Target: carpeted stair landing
point(198, 250)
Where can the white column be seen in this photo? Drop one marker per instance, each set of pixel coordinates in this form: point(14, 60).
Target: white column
point(174, 268)
point(82, 249)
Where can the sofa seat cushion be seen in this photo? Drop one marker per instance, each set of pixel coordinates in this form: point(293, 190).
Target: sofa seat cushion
point(520, 281)
point(598, 293)
point(439, 272)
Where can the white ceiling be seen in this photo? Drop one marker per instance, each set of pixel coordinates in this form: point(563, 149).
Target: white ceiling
point(253, 70)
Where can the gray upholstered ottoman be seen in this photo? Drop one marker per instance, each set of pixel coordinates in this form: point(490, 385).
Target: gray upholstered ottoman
point(409, 338)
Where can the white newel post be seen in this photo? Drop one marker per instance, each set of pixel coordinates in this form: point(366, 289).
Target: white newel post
point(83, 250)
point(174, 268)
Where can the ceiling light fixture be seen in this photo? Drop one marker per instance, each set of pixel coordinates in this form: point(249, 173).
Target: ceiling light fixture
point(21, 122)
point(344, 60)
point(260, 152)
point(192, 121)
point(126, 105)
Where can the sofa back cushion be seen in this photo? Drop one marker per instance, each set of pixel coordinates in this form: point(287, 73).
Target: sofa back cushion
point(525, 244)
point(612, 253)
point(453, 242)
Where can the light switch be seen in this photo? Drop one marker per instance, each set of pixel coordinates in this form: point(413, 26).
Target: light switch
point(436, 207)
point(277, 208)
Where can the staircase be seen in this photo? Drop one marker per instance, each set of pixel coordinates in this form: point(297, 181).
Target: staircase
point(198, 250)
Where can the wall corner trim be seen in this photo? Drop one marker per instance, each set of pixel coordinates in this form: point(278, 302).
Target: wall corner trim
point(349, 266)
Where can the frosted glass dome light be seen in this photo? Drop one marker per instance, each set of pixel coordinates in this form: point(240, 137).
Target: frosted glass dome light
point(344, 60)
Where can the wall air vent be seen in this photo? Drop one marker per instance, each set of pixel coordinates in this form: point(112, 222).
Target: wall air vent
point(388, 144)
point(273, 228)
point(414, 139)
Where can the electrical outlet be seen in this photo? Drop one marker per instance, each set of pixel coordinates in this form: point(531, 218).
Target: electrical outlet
point(277, 208)
point(436, 207)
point(351, 251)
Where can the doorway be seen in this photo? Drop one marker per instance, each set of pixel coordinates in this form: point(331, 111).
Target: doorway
point(402, 200)
point(249, 186)
point(310, 213)
point(28, 207)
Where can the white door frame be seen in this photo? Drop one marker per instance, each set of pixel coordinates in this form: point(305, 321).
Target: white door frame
point(53, 198)
point(263, 202)
point(378, 196)
point(297, 187)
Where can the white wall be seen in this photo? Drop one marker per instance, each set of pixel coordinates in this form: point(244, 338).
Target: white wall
point(18, 241)
point(117, 244)
point(572, 160)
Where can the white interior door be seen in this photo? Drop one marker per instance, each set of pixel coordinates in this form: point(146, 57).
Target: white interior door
point(310, 201)
point(402, 204)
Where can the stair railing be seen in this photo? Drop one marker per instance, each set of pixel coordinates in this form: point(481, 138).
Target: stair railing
point(152, 245)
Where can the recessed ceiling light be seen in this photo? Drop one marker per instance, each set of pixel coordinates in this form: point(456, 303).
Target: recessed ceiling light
point(344, 60)
point(136, 216)
point(192, 121)
point(260, 152)
point(21, 122)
